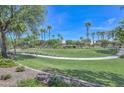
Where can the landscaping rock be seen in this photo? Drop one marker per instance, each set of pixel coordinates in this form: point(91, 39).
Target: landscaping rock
point(16, 76)
point(46, 78)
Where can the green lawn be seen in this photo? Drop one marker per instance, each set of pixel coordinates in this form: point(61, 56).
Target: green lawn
point(101, 52)
point(106, 72)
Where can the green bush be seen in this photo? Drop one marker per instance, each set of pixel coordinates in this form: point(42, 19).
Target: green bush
point(113, 51)
point(29, 83)
point(57, 82)
point(6, 63)
point(122, 56)
point(20, 69)
point(5, 76)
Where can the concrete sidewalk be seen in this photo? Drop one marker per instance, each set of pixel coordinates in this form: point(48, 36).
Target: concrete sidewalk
point(68, 58)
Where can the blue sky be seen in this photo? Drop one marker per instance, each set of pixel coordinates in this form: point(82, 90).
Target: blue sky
point(69, 20)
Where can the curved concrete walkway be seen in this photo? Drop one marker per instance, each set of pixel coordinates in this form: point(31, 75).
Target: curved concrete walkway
point(68, 58)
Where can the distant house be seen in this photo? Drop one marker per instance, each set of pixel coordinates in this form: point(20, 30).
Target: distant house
point(63, 42)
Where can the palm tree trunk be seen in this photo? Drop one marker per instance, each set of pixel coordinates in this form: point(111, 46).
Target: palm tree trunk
point(87, 33)
point(44, 36)
point(98, 37)
point(3, 45)
point(49, 34)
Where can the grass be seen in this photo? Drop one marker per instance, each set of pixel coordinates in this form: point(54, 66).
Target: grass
point(93, 52)
point(29, 83)
point(106, 72)
point(5, 63)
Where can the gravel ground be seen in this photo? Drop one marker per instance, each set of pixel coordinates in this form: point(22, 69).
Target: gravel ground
point(16, 76)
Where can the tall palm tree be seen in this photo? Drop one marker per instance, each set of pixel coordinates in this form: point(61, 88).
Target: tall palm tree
point(93, 35)
point(42, 31)
point(102, 35)
point(49, 30)
point(87, 24)
point(59, 36)
point(113, 34)
point(98, 35)
point(108, 34)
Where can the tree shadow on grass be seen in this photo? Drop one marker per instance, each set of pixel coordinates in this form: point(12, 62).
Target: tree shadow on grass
point(108, 51)
point(103, 78)
point(23, 57)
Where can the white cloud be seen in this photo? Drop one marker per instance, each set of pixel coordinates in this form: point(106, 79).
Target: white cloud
point(111, 20)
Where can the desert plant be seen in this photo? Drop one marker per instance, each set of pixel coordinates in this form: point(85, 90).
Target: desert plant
point(29, 83)
point(57, 82)
point(6, 63)
point(5, 76)
point(20, 69)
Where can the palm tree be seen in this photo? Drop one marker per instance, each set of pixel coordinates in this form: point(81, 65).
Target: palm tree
point(108, 34)
point(81, 38)
point(42, 31)
point(113, 34)
point(53, 36)
point(49, 30)
point(98, 35)
point(93, 35)
point(87, 24)
point(45, 31)
point(102, 35)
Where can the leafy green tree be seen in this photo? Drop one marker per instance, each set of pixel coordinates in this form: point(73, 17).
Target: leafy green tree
point(104, 43)
point(52, 43)
point(12, 17)
point(120, 34)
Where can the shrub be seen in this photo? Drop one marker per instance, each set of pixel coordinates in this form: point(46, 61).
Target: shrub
point(57, 82)
point(122, 56)
point(5, 76)
point(20, 69)
point(29, 83)
point(6, 63)
point(113, 51)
